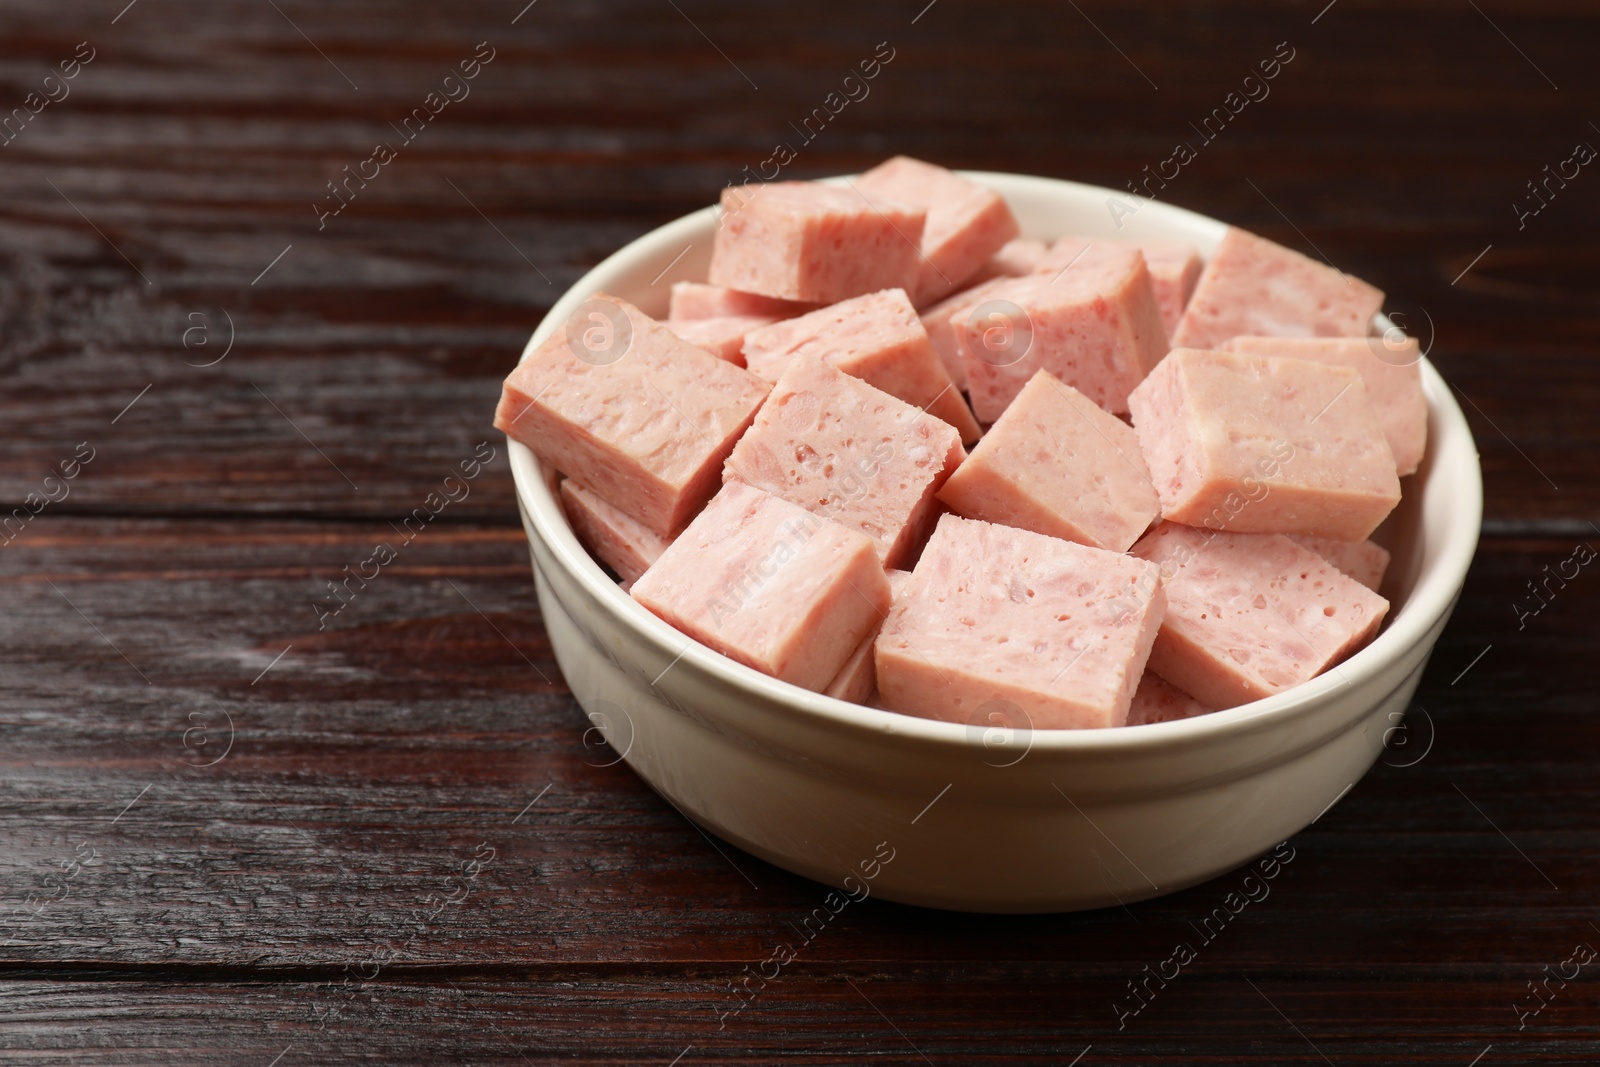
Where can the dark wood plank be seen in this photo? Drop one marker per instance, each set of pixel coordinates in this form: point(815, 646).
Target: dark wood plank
point(823, 1015)
point(198, 152)
point(162, 904)
point(375, 761)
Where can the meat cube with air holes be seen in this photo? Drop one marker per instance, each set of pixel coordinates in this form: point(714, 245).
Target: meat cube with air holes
point(1362, 560)
point(1157, 700)
point(857, 680)
point(1174, 269)
point(992, 613)
point(1253, 286)
point(813, 242)
point(1250, 615)
point(849, 452)
point(640, 416)
point(1389, 365)
point(700, 300)
point(723, 337)
point(941, 321)
point(967, 222)
point(877, 338)
point(1259, 444)
point(769, 584)
point(1094, 324)
point(1058, 464)
point(613, 537)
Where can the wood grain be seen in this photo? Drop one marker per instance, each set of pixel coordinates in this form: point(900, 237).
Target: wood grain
point(374, 761)
point(830, 1015)
point(198, 153)
point(211, 854)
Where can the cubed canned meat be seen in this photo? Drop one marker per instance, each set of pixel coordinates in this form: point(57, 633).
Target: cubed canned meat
point(1094, 324)
point(877, 338)
point(1058, 464)
point(1262, 444)
point(613, 537)
point(1016, 257)
point(769, 584)
point(1390, 367)
point(701, 300)
point(816, 243)
point(1157, 700)
point(1253, 286)
point(723, 337)
point(1250, 615)
point(942, 319)
point(640, 416)
point(967, 222)
point(1174, 269)
point(1364, 561)
point(996, 616)
point(850, 452)
point(857, 680)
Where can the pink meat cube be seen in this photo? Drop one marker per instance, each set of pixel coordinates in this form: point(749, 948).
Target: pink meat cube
point(1253, 286)
point(877, 338)
point(1094, 324)
point(1065, 252)
point(1260, 444)
point(614, 538)
point(1392, 372)
point(967, 222)
point(636, 413)
point(813, 242)
point(1249, 615)
point(699, 300)
point(857, 680)
point(1174, 270)
point(849, 452)
point(723, 337)
point(770, 585)
point(1361, 560)
point(941, 321)
point(1157, 700)
point(992, 613)
point(1015, 258)
point(1058, 464)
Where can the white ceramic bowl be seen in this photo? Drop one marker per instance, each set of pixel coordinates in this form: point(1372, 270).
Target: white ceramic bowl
point(975, 819)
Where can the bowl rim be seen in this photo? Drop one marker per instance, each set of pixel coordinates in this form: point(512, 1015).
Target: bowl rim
point(1430, 599)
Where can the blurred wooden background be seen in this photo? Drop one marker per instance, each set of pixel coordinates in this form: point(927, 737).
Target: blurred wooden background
point(227, 837)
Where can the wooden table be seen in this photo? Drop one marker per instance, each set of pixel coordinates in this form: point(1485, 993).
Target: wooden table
point(230, 836)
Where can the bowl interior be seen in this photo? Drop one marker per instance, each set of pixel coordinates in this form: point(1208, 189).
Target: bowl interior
point(1432, 534)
